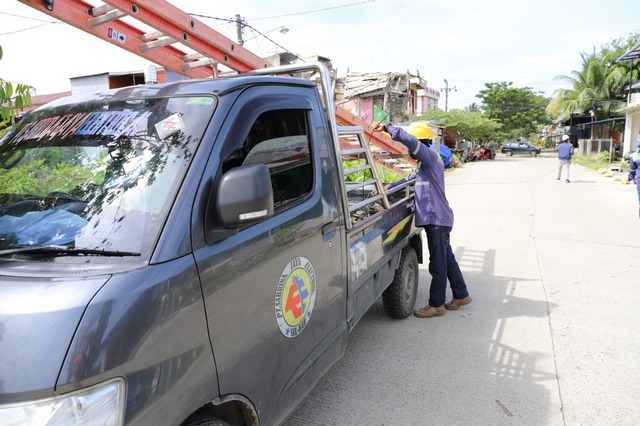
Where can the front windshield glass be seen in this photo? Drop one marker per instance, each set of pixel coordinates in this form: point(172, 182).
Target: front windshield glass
point(99, 175)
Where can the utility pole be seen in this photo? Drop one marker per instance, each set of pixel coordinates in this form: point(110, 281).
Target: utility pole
point(239, 29)
point(446, 91)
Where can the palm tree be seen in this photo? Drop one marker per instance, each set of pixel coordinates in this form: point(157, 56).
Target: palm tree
point(596, 89)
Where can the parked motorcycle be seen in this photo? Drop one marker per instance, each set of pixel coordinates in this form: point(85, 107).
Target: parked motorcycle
point(487, 152)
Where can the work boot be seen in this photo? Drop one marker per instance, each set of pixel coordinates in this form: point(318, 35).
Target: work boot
point(455, 304)
point(429, 311)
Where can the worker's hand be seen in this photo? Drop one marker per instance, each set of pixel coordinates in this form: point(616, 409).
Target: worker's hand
point(374, 191)
point(379, 127)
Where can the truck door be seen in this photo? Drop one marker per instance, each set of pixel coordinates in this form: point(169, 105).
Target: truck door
point(275, 291)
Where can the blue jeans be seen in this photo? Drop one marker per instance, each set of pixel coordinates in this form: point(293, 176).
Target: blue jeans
point(443, 266)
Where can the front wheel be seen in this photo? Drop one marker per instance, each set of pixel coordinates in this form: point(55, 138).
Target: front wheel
point(509, 153)
point(399, 299)
point(203, 420)
point(534, 153)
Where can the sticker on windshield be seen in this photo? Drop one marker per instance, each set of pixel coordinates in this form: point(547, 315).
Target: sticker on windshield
point(169, 125)
point(295, 296)
point(99, 123)
point(200, 100)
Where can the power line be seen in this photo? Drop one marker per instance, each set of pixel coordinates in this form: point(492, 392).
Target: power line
point(245, 24)
point(281, 47)
point(30, 28)
point(229, 20)
point(27, 17)
point(313, 11)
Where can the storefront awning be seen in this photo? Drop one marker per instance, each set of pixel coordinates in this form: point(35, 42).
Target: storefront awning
point(608, 120)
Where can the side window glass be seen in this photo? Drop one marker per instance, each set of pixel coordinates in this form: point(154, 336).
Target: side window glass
point(279, 139)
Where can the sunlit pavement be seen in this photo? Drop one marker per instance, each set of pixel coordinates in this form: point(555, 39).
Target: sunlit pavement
point(551, 337)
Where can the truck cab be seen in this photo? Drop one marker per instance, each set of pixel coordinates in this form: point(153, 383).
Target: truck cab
point(186, 251)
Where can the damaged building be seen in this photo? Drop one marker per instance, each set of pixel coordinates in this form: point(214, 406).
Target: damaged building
point(376, 96)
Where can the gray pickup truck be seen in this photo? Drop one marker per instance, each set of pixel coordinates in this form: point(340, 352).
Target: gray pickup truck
point(191, 252)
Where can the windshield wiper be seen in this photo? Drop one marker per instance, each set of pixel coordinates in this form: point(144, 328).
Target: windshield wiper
point(66, 251)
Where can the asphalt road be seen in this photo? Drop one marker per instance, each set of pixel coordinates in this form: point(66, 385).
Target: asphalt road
point(553, 334)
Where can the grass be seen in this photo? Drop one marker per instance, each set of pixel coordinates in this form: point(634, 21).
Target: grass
point(596, 163)
point(589, 162)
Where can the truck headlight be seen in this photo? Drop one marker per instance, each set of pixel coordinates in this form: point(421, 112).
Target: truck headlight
point(102, 404)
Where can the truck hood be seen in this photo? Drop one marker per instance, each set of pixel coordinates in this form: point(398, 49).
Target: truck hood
point(38, 317)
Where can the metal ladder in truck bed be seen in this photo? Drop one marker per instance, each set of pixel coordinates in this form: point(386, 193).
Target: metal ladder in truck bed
point(363, 187)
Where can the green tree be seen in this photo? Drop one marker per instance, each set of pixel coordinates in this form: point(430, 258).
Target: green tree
point(599, 86)
point(473, 107)
point(519, 110)
point(13, 97)
point(595, 89)
point(619, 47)
point(471, 125)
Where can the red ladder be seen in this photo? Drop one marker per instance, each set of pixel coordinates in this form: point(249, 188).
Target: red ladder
point(170, 26)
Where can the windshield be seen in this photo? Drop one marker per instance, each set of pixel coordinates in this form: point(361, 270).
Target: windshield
point(97, 176)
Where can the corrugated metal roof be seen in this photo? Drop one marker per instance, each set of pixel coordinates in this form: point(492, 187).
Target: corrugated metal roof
point(39, 100)
point(374, 83)
point(633, 53)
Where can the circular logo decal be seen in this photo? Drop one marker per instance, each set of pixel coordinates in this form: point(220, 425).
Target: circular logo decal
point(295, 296)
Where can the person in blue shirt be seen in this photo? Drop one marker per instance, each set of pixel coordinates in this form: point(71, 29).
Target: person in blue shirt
point(565, 150)
point(434, 214)
point(634, 165)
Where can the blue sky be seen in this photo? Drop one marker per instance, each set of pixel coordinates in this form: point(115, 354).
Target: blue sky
point(466, 42)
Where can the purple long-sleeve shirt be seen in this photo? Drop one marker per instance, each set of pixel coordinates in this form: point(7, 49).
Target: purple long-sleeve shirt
point(432, 207)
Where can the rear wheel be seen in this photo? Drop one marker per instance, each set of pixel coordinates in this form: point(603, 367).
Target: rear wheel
point(399, 298)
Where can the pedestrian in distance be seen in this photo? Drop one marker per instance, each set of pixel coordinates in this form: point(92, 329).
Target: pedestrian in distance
point(565, 151)
point(433, 213)
point(634, 166)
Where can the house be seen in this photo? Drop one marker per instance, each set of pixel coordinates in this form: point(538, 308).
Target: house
point(379, 95)
point(632, 110)
point(632, 123)
point(105, 81)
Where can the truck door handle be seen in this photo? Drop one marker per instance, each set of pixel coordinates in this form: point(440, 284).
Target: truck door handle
point(328, 230)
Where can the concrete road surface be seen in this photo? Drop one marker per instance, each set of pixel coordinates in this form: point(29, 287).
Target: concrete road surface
point(553, 334)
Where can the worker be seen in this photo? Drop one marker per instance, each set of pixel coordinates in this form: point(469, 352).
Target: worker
point(634, 165)
point(436, 216)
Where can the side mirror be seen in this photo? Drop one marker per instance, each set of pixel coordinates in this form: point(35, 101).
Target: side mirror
point(244, 195)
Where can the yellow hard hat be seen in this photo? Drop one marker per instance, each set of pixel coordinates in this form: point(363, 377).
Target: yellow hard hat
point(421, 131)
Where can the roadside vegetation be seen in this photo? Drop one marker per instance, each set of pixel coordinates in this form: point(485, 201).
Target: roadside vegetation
point(505, 112)
point(13, 98)
point(600, 162)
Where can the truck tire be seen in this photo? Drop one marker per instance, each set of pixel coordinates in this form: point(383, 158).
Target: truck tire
point(203, 420)
point(399, 299)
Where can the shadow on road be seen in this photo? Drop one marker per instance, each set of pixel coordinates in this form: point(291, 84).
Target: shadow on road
point(471, 366)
